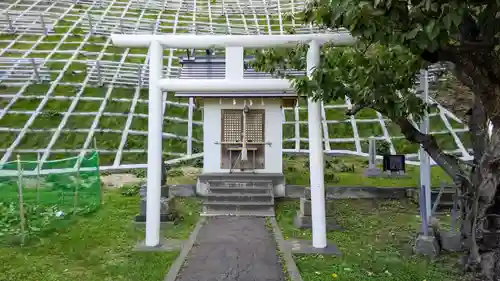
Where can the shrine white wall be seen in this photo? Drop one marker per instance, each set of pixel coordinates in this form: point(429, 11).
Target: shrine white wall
point(212, 132)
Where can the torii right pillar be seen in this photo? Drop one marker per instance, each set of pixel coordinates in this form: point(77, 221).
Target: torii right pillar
point(316, 162)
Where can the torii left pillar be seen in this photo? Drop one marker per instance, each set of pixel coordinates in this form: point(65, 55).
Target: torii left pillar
point(155, 126)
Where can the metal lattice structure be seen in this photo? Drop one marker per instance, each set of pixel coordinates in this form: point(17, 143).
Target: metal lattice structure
point(64, 84)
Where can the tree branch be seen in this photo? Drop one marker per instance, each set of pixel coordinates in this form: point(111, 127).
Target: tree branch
point(448, 163)
point(478, 129)
point(356, 108)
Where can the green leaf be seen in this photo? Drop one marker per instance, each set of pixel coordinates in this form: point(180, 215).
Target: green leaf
point(413, 33)
point(456, 18)
point(427, 5)
point(447, 21)
point(430, 26)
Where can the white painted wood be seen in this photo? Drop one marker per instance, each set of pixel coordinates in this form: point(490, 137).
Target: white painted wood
point(189, 41)
point(155, 128)
point(212, 133)
point(316, 163)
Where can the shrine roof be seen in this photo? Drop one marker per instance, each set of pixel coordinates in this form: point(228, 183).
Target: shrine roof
point(213, 67)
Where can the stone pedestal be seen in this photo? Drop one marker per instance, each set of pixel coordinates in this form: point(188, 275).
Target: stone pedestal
point(450, 241)
point(427, 245)
point(166, 205)
point(372, 172)
point(305, 247)
point(303, 218)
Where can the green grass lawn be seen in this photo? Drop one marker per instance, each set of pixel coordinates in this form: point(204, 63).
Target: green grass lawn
point(376, 244)
point(349, 171)
point(339, 171)
point(98, 247)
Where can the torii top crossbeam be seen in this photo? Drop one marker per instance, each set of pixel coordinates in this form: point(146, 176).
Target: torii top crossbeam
point(234, 45)
point(189, 41)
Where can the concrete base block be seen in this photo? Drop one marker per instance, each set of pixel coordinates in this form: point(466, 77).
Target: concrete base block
point(165, 191)
point(427, 246)
point(430, 232)
point(400, 175)
point(166, 207)
point(202, 187)
point(279, 190)
point(302, 221)
point(305, 247)
point(164, 246)
point(165, 219)
point(372, 172)
point(305, 206)
point(451, 241)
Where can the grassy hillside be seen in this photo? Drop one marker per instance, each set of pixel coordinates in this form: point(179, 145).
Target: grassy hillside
point(72, 110)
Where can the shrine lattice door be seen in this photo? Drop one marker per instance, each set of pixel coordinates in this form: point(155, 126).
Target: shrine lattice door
point(232, 139)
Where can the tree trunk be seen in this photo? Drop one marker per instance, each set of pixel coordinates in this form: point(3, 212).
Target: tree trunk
point(480, 203)
point(483, 209)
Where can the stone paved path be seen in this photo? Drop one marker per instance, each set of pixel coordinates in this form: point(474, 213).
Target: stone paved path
point(233, 249)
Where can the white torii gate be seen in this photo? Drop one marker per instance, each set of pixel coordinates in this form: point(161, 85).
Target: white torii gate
point(234, 45)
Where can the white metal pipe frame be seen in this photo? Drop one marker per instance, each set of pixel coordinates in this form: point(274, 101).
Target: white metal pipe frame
point(233, 81)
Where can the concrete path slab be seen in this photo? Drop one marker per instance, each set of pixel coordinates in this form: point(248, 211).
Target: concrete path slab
point(233, 249)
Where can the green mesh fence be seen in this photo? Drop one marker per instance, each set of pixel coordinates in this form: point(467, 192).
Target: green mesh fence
point(35, 200)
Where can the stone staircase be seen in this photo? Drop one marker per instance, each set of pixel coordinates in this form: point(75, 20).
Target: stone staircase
point(445, 203)
point(237, 197)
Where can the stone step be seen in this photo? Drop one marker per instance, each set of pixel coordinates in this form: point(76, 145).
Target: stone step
point(240, 183)
point(254, 213)
point(240, 190)
point(239, 197)
point(445, 202)
point(234, 208)
point(228, 179)
point(442, 205)
point(239, 204)
point(239, 176)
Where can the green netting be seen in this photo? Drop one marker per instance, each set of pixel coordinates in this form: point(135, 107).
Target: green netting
point(52, 195)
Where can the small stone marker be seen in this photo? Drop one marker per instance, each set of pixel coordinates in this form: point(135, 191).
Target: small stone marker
point(372, 170)
point(303, 219)
point(166, 203)
point(451, 241)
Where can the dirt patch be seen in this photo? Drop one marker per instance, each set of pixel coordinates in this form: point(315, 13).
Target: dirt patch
point(120, 180)
point(183, 175)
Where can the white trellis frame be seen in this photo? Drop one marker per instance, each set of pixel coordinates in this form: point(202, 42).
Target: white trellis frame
point(157, 43)
point(105, 17)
